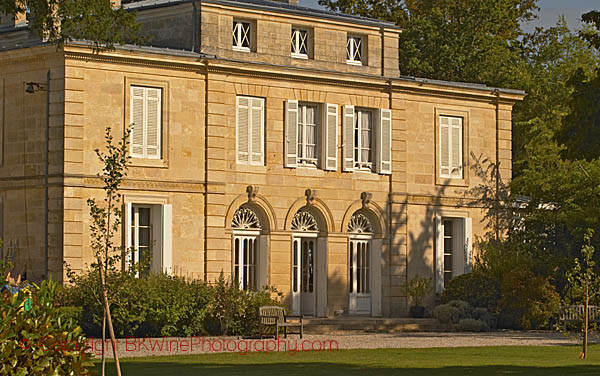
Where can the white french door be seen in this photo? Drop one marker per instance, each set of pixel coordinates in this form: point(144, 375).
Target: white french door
point(245, 256)
point(359, 276)
point(304, 251)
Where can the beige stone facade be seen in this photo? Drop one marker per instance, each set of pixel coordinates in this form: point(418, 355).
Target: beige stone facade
point(198, 182)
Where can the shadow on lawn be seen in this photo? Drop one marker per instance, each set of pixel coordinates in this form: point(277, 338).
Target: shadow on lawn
point(156, 368)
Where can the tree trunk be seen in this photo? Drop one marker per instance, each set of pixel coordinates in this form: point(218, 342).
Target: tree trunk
point(103, 341)
point(109, 320)
point(585, 327)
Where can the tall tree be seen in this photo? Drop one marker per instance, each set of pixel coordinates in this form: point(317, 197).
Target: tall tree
point(456, 40)
point(548, 59)
point(60, 21)
point(580, 130)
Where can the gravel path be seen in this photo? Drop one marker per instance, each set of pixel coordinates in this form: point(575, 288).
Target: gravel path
point(134, 347)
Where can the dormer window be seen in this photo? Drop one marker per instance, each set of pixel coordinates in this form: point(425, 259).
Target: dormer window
point(242, 33)
point(300, 43)
point(354, 50)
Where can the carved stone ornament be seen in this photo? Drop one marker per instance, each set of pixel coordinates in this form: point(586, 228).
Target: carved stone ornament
point(366, 198)
point(252, 192)
point(310, 196)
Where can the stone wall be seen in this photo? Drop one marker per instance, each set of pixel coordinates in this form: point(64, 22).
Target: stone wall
point(23, 159)
point(272, 34)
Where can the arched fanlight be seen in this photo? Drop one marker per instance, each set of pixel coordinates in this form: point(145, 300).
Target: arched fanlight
point(360, 224)
point(245, 219)
point(304, 221)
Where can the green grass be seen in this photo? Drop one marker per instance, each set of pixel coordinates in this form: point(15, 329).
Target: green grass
point(556, 360)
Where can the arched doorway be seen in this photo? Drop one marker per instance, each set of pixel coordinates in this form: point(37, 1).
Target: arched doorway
point(309, 260)
point(249, 249)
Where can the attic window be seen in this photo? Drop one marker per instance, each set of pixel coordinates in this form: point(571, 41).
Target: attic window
point(354, 50)
point(242, 33)
point(299, 43)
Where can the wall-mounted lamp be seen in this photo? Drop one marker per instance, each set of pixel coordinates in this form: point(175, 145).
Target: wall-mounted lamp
point(33, 87)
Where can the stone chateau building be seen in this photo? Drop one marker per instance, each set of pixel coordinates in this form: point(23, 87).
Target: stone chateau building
point(278, 144)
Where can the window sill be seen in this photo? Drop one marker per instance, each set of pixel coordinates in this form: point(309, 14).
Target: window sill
point(300, 56)
point(354, 62)
point(152, 163)
point(364, 169)
point(453, 182)
point(241, 49)
point(307, 165)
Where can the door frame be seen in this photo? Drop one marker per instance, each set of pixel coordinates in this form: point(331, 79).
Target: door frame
point(297, 295)
point(257, 257)
point(353, 295)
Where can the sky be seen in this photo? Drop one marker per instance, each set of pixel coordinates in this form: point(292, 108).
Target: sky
point(548, 15)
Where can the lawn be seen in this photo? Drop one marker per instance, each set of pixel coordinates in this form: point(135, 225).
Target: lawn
point(556, 360)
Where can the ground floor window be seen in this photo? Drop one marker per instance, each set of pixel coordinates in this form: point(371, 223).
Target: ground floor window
point(246, 248)
point(149, 237)
point(245, 256)
point(453, 249)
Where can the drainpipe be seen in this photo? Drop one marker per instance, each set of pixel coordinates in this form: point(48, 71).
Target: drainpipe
point(496, 203)
point(206, 171)
point(46, 253)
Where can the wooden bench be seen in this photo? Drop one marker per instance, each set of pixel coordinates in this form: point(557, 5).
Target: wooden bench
point(275, 317)
point(575, 313)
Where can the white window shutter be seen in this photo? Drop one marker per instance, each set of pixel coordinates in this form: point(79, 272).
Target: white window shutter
point(456, 145)
point(444, 146)
point(262, 264)
point(127, 232)
point(167, 238)
point(291, 134)
point(348, 133)
point(376, 293)
point(242, 131)
point(136, 110)
point(439, 255)
point(329, 137)
point(384, 142)
point(468, 245)
point(153, 122)
point(257, 138)
point(321, 276)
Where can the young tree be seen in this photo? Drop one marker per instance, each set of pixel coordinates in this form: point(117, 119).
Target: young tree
point(106, 222)
point(60, 21)
point(584, 285)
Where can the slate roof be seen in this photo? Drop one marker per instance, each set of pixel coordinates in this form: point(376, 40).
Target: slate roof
point(268, 5)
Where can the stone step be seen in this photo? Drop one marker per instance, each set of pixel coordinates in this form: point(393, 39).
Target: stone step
point(372, 325)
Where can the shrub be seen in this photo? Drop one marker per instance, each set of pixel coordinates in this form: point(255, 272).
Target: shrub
point(417, 288)
point(452, 312)
point(446, 314)
point(165, 306)
point(233, 311)
point(528, 301)
point(482, 314)
point(477, 288)
point(39, 339)
point(472, 325)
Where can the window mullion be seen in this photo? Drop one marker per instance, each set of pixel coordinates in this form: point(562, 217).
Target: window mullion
point(359, 142)
point(250, 149)
point(136, 235)
point(145, 124)
point(296, 45)
point(304, 138)
point(450, 151)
